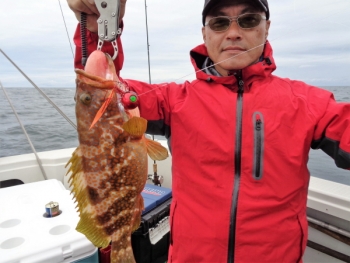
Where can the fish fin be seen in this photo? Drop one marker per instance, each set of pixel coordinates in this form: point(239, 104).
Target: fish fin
point(88, 224)
point(102, 109)
point(136, 126)
point(136, 222)
point(135, 112)
point(120, 254)
point(137, 213)
point(156, 151)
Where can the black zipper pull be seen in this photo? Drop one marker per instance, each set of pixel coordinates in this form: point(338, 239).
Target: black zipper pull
point(241, 86)
point(240, 82)
point(258, 124)
point(258, 146)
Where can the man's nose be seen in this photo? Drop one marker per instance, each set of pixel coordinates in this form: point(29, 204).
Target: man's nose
point(234, 31)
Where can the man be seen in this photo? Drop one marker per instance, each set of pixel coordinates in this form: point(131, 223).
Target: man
point(240, 139)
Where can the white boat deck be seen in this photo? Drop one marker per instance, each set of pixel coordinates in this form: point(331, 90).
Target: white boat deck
point(328, 201)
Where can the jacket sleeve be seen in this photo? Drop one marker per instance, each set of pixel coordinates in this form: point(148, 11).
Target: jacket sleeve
point(156, 102)
point(92, 40)
point(332, 133)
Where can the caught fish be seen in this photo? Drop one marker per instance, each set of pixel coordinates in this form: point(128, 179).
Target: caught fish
point(109, 167)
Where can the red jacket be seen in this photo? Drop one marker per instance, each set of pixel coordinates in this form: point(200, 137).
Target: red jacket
point(239, 152)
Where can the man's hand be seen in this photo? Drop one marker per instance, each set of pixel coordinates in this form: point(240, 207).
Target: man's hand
point(122, 9)
point(89, 7)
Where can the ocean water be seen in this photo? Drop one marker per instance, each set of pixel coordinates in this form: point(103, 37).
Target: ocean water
point(48, 130)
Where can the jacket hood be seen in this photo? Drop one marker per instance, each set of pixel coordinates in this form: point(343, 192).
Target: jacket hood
point(261, 69)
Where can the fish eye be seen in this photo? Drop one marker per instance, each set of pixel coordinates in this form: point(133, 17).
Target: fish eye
point(85, 98)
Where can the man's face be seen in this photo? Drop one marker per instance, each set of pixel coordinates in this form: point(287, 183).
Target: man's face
point(235, 40)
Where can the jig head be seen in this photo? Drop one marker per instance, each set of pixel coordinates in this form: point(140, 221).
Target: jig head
point(130, 100)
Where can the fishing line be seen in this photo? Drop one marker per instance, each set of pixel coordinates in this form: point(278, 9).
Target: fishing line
point(206, 67)
point(64, 21)
point(274, 39)
point(40, 91)
point(25, 132)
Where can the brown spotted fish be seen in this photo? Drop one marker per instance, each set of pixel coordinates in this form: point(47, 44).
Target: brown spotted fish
point(109, 167)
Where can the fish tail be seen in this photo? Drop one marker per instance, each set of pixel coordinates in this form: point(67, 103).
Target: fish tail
point(122, 251)
point(137, 213)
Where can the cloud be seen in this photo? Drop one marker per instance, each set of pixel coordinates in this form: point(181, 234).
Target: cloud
point(306, 66)
point(302, 33)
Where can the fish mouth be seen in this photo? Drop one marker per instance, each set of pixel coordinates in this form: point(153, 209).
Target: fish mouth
point(111, 72)
point(94, 81)
point(101, 65)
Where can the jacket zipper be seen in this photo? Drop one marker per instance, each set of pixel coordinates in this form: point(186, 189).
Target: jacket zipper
point(238, 152)
point(258, 145)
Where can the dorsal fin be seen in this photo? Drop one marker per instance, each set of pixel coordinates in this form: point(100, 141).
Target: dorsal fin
point(88, 224)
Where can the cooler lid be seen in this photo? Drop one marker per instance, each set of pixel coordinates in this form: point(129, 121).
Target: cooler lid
point(154, 196)
point(27, 236)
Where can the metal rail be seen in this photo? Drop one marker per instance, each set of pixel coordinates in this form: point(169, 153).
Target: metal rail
point(332, 231)
point(329, 227)
point(41, 92)
point(25, 132)
point(328, 251)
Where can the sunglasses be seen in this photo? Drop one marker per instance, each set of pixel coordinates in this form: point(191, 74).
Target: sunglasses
point(244, 21)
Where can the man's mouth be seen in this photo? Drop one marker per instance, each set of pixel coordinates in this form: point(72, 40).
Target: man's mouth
point(234, 49)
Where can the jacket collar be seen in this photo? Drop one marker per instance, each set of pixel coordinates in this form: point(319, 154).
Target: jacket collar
point(261, 69)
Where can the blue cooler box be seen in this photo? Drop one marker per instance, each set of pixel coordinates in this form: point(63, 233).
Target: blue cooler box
point(151, 240)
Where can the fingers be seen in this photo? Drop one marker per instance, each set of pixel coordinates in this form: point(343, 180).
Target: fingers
point(89, 7)
point(122, 9)
point(91, 19)
point(91, 23)
point(90, 4)
point(79, 6)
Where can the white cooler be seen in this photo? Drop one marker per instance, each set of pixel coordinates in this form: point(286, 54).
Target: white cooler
point(26, 236)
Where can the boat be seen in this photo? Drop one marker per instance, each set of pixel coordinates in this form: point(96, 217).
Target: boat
point(328, 202)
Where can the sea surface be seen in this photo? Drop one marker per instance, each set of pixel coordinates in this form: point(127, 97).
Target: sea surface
point(48, 130)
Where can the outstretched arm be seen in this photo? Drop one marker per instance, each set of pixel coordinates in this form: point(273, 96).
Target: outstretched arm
point(332, 133)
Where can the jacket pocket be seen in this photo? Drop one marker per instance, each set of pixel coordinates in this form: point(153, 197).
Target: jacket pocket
point(258, 155)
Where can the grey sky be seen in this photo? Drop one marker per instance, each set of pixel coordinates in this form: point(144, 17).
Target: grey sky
point(310, 38)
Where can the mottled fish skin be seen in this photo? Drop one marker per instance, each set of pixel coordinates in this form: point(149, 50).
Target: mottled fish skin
point(109, 171)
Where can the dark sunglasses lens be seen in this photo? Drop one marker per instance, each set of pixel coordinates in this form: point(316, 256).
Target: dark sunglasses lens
point(219, 23)
point(249, 20)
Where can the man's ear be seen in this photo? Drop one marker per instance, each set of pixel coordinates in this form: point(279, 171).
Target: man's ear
point(204, 34)
point(268, 23)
